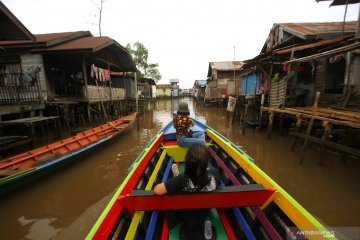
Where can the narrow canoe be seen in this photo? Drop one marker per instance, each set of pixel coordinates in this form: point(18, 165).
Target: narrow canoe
point(17, 170)
point(249, 206)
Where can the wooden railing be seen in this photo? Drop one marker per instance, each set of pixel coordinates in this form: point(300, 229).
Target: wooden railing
point(14, 90)
point(100, 93)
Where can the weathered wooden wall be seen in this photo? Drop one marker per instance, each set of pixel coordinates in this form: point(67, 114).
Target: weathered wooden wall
point(99, 93)
point(211, 90)
point(28, 60)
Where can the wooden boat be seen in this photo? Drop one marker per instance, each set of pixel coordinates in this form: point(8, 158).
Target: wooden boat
point(20, 169)
point(250, 206)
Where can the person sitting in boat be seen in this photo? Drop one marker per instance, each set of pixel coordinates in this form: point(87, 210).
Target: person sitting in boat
point(196, 178)
point(182, 124)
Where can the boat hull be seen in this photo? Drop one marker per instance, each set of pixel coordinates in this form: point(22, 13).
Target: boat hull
point(135, 212)
point(25, 176)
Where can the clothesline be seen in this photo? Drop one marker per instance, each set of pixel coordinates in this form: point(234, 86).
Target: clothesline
point(100, 73)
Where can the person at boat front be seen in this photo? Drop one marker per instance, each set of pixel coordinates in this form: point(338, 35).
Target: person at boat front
point(196, 178)
point(182, 123)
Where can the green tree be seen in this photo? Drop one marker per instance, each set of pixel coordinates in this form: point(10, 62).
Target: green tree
point(140, 55)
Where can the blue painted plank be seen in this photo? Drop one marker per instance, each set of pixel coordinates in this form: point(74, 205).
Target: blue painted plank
point(154, 215)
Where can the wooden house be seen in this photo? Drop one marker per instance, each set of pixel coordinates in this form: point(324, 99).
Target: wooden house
point(163, 90)
point(199, 89)
point(223, 80)
point(62, 70)
point(175, 90)
point(145, 87)
point(124, 81)
point(313, 78)
point(11, 29)
point(292, 79)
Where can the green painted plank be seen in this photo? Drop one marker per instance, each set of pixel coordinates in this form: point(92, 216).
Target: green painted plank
point(215, 219)
point(216, 222)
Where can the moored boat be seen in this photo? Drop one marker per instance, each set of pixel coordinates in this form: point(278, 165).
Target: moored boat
point(250, 205)
point(17, 170)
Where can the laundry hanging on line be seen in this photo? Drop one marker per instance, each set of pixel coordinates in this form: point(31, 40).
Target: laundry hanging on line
point(99, 73)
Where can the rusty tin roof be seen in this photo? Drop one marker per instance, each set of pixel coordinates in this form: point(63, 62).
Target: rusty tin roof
point(306, 30)
point(224, 66)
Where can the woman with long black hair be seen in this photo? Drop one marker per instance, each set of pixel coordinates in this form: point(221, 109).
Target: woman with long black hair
point(197, 177)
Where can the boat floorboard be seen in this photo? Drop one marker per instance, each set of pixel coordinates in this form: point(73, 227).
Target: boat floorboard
point(216, 222)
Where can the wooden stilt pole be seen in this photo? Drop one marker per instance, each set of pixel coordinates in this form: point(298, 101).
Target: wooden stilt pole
point(282, 122)
point(325, 137)
point(101, 101)
point(298, 125)
point(137, 102)
point(261, 109)
point(311, 123)
point(244, 119)
point(88, 112)
point(271, 121)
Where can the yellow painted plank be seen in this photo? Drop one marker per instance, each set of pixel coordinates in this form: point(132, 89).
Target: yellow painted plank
point(118, 191)
point(302, 218)
point(138, 214)
point(155, 171)
point(178, 153)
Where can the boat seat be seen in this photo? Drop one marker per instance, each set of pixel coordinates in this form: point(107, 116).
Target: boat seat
point(231, 196)
point(178, 153)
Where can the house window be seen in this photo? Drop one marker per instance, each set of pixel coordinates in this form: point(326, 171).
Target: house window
point(334, 77)
point(10, 71)
point(306, 72)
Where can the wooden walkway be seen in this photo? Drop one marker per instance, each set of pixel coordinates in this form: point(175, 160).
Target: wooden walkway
point(31, 122)
point(328, 117)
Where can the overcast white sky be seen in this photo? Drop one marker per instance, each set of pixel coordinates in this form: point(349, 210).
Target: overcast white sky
point(181, 36)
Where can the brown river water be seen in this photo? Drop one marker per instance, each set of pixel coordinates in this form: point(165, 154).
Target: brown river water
point(66, 203)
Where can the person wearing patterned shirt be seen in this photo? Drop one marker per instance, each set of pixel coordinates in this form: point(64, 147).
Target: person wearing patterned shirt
point(196, 178)
point(182, 123)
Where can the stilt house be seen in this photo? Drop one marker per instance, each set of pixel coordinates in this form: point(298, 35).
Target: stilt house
point(199, 89)
point(223, 80)
point(60, 70)
point(299, 59)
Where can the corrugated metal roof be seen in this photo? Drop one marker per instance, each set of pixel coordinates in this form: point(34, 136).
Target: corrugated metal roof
point(313, 29)
point(224, 66)
point(60, 37)
point(84, 43)
point(47, 39)
point(81, 41)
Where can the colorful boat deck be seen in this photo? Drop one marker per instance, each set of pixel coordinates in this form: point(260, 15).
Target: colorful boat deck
point(248, 206)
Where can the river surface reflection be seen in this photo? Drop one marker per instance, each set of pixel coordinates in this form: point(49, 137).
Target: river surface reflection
point(66, 204)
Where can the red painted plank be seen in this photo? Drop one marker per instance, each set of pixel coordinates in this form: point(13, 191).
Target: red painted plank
point(202, 200)
point(170, 143)
point(226, 224)
point(108, 223)
point(165, 230)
